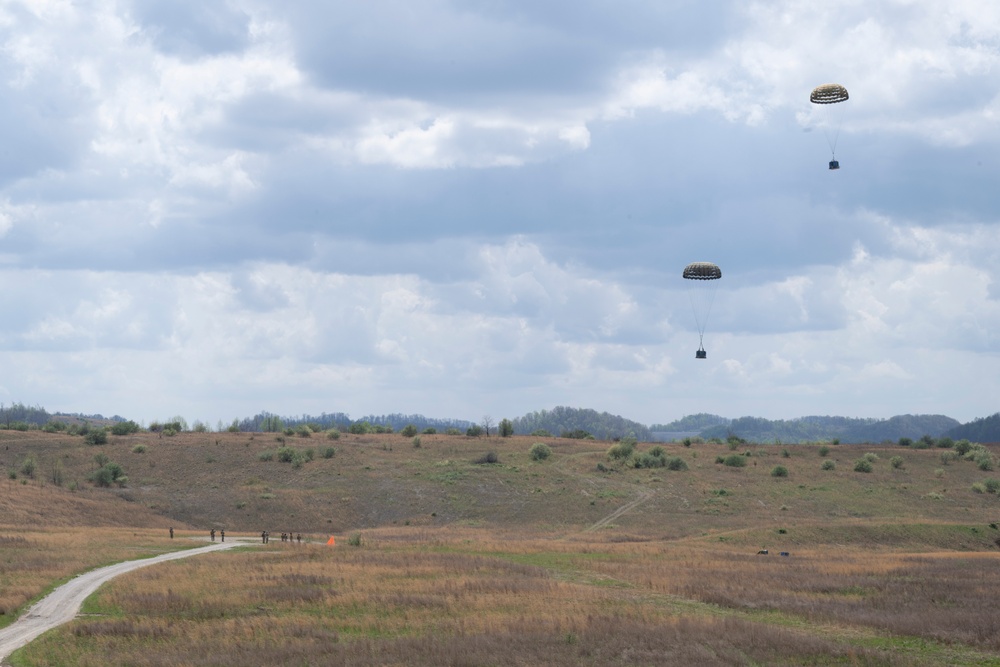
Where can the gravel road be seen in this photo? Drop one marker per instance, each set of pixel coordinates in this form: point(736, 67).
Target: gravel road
point(63, 604)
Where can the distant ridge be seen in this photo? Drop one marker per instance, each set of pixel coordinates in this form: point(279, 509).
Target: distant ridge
point(601, 425)
point(984, 429)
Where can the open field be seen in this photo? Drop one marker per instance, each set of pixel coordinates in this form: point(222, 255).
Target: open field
point(574, 560)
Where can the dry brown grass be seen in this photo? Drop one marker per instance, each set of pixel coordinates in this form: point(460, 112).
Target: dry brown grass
point(428, 596)
point(33, 560)
point(513, 563)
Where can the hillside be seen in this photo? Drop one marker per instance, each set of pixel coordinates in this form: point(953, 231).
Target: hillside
point(844, 429)
point(986, 429)
point(601, 425)
point(239, 482)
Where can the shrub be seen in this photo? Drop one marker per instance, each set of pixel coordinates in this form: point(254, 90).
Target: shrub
point(992, 485)
point(963, 447)
point(354, 540)
point(648, 460)
point(286, 454)
point(267, 455)
point(505, 428)
point(871, 457)
point(824, 451)
point(96, 437)
point(896, 462)
point(985, 462)
point(925, 442)
point(862, 465)
point(474, 431)
point(828, 465)
point(541, 433)
point(416, 442)
point(622, 449)
point(452, 431)
point(577, 434)
point(328, 452)
point(488, 457)
point(785, 454)
point(905, 442)
point(978, 487)
point(735, 461)
point(948, 457)
point(170, 432)
point(779, 471)
point(108, 474)
point(333, 434)
point(408, 431)
point(430, 430)
point(125, 428)
point(945, 442)
point(539, 451)
point(139, 449)
point(28, 467)
point(304, 431)
point(676, 463)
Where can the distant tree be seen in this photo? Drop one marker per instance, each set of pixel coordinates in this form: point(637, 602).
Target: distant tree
point(408, 431)
point(124, 428)
point(474, 431)
point(505, 428)
point(487, 424)
point(98, 436)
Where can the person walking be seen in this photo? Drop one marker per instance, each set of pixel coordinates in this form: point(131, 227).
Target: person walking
point(223, 534)
point(213, 534)
point(171, 532)
point(263, 537)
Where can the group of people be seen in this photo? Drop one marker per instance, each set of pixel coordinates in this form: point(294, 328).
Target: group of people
point(265, 536)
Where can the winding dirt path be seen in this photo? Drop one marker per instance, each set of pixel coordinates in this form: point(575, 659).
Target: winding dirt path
point(63, 604)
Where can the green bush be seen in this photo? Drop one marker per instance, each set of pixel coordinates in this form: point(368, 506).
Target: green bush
point(992, 485)
point(871, 457)
point(648, 460)
point(905, 442)
point(676, 463)
point(452, 431)
point(304, 431)
point(577, 434)
point(286, 454)
point(125, 428)
point(735, 461)
point(267, 455)
point(333, 434)
point(416, 442)
point(430, 430)
point(109, 474)
point(963, 447)
point(896, 462)
point(779, 471)
point(474, 431)
point(978, 487)
point(541, 433)
point(984, 462)
point(505, 428)
point(354, 540)
point(539, 451)
point(828, 465)
point(488, 457)
point(824, 451)
point(139, 449)
point(96, 437)
point(945, 442)
point(408, 431)
point(862, 465)
point(28, 467)
point(620, 451)
point(328, 452)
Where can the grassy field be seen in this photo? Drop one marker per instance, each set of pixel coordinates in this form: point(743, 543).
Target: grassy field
point(573, 560)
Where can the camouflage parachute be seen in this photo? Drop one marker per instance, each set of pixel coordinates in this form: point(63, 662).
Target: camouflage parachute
point(702, 271)
point(829, 93)
point(702, 293)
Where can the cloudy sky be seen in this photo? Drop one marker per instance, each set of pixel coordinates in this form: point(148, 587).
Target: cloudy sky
point(483, 207)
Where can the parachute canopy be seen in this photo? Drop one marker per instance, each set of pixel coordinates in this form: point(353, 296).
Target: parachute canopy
point(702, 271)
point(829, 93)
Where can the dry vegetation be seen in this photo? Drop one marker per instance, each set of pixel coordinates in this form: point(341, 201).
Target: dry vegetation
point(575, 560)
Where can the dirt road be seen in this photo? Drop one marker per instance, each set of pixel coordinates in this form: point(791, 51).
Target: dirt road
point(63, 604)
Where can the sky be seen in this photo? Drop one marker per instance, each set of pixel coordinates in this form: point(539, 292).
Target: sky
point(484, 207)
